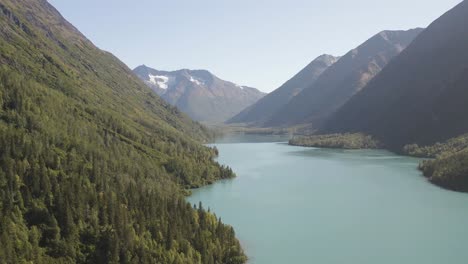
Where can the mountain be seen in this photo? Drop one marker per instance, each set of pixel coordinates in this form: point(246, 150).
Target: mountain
point(343, 79)
point(264, 109)
point(94, 167)
point(421, 96)
point(199, 93)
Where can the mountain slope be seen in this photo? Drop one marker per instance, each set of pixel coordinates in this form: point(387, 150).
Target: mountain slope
point(93, 165)
point(271, 103)
point(420, 97)
point(199, 93)
point(343, 79)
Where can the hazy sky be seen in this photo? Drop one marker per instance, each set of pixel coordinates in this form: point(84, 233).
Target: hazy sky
point(260, 43)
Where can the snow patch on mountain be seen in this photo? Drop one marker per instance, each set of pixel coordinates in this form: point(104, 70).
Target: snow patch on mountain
point(160, 80)
point(240, 86)
point(195, 81)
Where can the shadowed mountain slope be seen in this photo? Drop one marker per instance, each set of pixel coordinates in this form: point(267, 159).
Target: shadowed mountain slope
point(343, 80)
point(266, 107)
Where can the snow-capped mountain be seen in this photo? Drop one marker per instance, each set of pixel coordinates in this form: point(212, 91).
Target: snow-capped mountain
point(199, 93)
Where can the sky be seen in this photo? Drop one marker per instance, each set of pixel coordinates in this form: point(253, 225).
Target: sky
point(258, 43)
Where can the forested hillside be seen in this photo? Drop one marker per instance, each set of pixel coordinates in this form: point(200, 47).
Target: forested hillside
point(93, 164)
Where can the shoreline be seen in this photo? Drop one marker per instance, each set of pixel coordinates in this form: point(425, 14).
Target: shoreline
point(428, 166)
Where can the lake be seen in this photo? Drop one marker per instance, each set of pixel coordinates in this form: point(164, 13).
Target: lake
point(303, 205)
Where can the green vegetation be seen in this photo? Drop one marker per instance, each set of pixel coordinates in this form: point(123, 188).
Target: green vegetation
point(449, 168)
point(449, 171)
point(221, 130)
point(342, 141)
point(449, 147)
point(93, 165)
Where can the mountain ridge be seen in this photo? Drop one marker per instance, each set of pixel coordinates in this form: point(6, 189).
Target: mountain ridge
point(419, 97)
point(199, 93)
point(343, 79)
point(262, 110)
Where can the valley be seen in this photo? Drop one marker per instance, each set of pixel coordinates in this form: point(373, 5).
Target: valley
point(360, 157)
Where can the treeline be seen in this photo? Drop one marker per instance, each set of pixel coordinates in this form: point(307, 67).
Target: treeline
point(449, 166)
point(341, 141)
point(78, 185)
point(449, 147)
point(449, 171)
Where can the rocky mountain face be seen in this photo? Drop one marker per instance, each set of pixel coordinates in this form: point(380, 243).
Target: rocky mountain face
point(266, 107)
point(199, 93)
point(342, 80)
point(421, 96)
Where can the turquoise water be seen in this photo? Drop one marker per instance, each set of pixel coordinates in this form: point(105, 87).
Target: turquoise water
point(301, 205)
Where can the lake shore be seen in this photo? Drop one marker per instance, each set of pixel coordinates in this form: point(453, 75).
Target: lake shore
point(443, 166)
point(288, 203)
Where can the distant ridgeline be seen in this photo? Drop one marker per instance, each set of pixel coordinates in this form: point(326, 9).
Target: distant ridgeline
point(199, 93)
point(326, 84)
point(262, 111)
point(93, 165)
